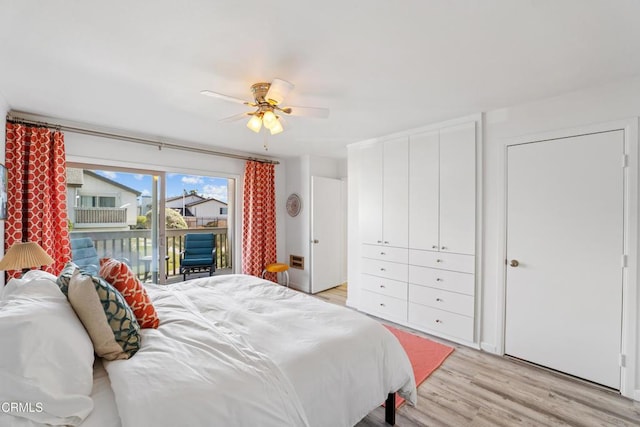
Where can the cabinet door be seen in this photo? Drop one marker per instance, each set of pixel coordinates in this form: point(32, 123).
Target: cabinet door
point(458, 189)
point(424, 188)
point(370, 194)
point(395, 221)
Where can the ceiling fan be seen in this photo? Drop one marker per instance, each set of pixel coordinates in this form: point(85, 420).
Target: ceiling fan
point(268, 98)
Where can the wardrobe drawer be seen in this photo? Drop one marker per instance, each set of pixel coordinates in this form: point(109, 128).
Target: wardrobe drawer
point(392, 288)
point(389, 270)
point(440, 321)
point(442, 260)
point(383, 306)
point(386, 253)
point(453, 281)
point(443, 300)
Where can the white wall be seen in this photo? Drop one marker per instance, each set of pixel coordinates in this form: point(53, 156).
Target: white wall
point(4, 109)
point(299, 172)
point(595, 105)
point(99, 151)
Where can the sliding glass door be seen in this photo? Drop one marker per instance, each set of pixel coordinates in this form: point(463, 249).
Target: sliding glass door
point(118, 211)
point(198, 204)
point(143, 216)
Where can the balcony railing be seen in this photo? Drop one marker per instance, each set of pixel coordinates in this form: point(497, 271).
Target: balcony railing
point(135, 245)
point(94, 216)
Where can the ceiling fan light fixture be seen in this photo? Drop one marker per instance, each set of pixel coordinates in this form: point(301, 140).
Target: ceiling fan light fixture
point(269, 119)
point(276, 128)
point(268, 110)
point(278, 91)
point(255, 123)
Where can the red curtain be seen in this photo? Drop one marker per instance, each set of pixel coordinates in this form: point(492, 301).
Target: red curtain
point(37, 192)
point(258, 217)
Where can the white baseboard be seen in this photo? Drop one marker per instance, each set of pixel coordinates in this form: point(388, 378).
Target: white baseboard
point(636, 395)
point(489, 348)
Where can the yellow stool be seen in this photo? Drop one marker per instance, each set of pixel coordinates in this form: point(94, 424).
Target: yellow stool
point(277, 268)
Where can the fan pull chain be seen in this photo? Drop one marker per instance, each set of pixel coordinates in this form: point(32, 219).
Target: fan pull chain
point(266, 142)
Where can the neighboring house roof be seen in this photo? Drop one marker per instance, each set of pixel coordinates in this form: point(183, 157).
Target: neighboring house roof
point(212, 199)
point(112, 182)
point(171, 199)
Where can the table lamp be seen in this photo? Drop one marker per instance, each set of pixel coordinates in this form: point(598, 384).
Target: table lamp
point(23, 256)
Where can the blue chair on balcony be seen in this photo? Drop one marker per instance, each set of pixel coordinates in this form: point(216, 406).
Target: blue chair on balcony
point(199, 254)
point(84, 255)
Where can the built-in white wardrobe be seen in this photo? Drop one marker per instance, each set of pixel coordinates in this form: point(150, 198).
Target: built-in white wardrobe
point(412, 244)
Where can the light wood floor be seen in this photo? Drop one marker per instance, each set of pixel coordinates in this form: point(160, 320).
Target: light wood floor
point(474, 388)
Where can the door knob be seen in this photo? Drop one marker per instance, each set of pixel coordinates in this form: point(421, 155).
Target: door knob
point(315, 241)
point(514, 263)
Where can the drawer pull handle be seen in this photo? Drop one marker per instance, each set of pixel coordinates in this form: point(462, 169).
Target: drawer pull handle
point(382, 253)
point(379, 241)
point(439, 299)
point(438, 321)
point(438, 260)
point(381, 305)
point(438, 280)
point(386, 243)
point(443, 247)
point(383, 269)
point(434, 247)
point(382, 286)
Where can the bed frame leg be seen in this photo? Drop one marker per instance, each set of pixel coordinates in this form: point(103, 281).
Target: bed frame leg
point(390, 409)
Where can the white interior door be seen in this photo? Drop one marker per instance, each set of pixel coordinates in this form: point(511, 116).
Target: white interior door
point(565, 229)
point(327, 233)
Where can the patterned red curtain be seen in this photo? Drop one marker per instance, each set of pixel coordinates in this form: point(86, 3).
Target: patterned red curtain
point(258, 217)
point(37, 192)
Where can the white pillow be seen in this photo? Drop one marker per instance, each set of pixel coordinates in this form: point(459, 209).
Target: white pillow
point(46, 361)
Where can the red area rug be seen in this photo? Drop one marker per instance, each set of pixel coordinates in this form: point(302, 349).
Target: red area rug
point(425, 355)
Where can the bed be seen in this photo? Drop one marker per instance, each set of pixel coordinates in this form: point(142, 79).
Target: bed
point(230, 350)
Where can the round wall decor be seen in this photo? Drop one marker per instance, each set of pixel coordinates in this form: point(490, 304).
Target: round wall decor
point(294, 204)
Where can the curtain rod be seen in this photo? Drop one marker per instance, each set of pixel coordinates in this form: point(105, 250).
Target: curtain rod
point(160, 145)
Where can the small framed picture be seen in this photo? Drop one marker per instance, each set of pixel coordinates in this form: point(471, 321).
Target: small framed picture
point(3, 192)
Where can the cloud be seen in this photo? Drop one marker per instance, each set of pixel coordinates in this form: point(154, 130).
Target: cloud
point(108, 174)
point(190, 179)
point(216, 191)
point(138, 176)
point(145, 192)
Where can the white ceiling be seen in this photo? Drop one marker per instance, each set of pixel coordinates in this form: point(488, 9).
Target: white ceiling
point(380, 66)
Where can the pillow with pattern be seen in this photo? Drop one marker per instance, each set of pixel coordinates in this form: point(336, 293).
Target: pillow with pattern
point(120, 276)
point(120, 317)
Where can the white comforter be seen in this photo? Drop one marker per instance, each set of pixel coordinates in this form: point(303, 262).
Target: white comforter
point(238, 350)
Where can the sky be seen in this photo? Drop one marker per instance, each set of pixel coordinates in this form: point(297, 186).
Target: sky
point(210, 187)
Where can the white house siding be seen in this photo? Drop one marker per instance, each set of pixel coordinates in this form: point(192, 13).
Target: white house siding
point(96, 187)
point(208, 209)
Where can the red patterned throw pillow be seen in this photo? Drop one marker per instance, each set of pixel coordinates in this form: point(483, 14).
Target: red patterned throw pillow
point(120, 276)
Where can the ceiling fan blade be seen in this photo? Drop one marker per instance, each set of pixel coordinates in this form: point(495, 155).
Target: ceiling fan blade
point(224, 97)
point(320, 113)
point(278, 91)
point(235, 117)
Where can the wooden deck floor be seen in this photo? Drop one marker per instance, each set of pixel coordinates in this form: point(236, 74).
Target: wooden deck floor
point(474, 388)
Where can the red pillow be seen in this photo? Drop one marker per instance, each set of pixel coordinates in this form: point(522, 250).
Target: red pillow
point(120, 276)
